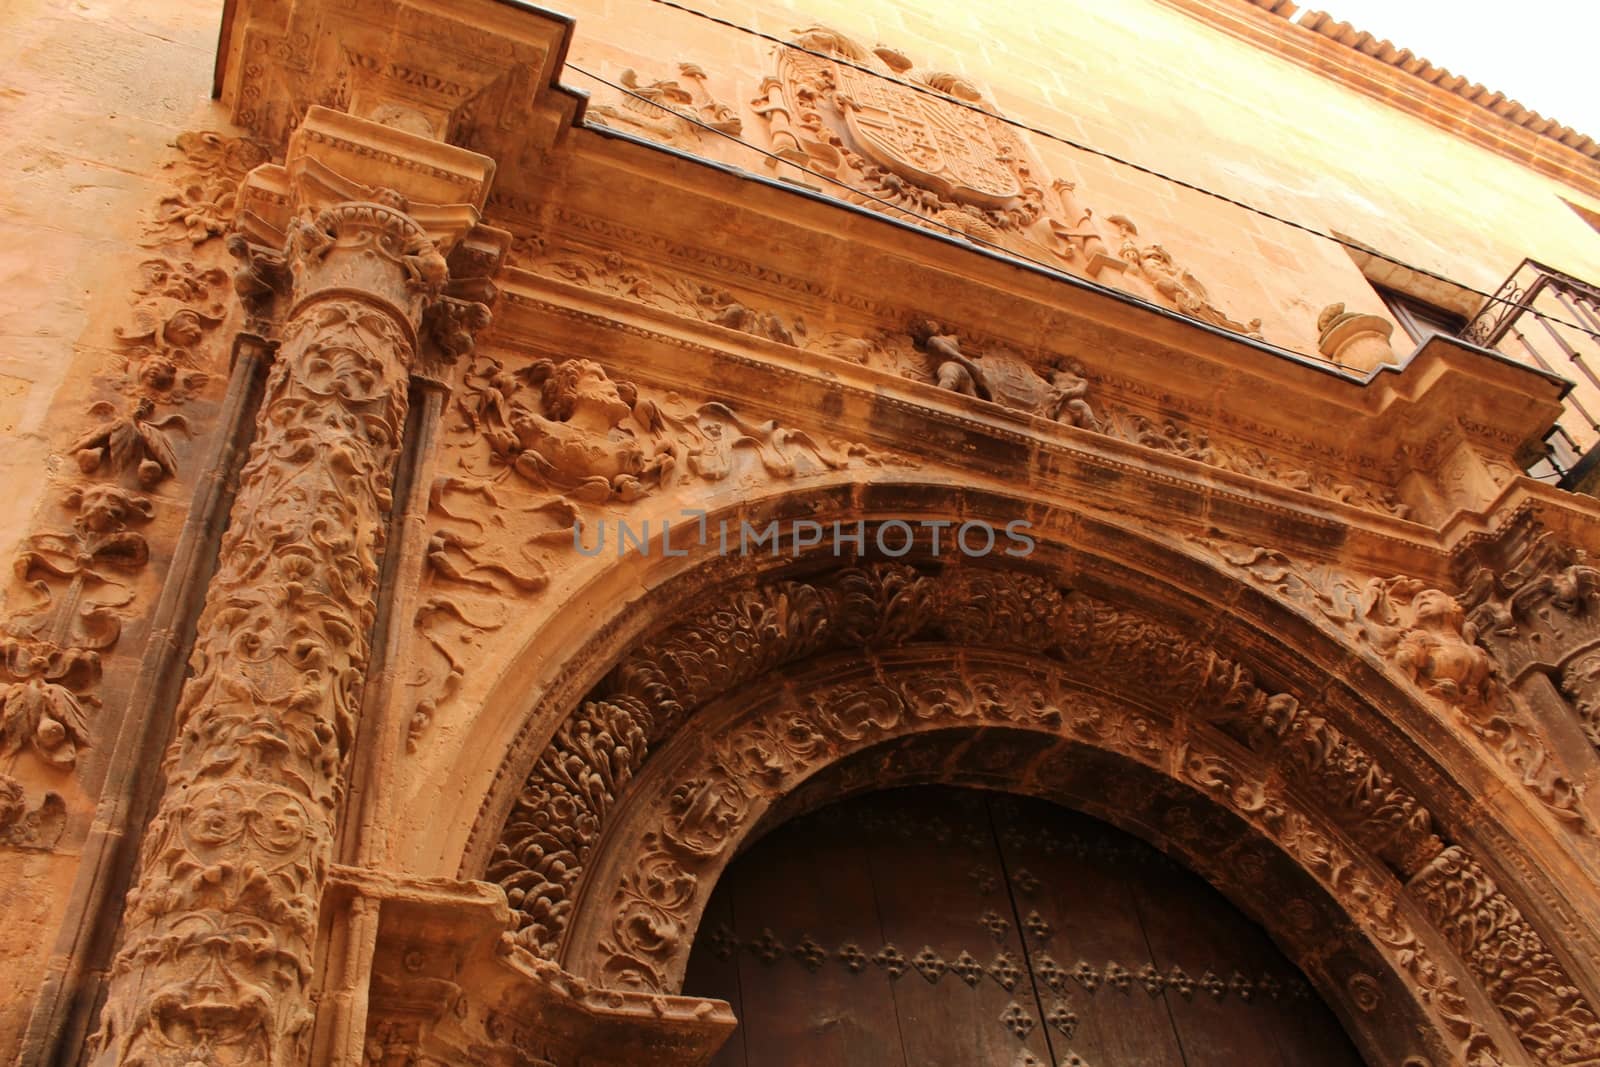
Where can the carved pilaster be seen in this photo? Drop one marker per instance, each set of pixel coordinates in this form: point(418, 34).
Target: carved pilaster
point(220, 930)
point(1534, 605)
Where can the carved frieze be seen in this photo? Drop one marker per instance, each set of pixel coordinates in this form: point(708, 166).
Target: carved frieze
point(610, 272)
point(1047, 385)
point(1178, 437)
point(569, 429)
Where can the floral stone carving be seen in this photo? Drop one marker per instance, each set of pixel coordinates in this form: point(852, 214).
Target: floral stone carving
point(570, 428)
point(669, 110)
point(1424, 635)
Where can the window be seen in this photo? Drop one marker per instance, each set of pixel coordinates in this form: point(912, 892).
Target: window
point(1419, 319)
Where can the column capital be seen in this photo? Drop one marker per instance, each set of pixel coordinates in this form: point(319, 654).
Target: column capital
point(334, 158)
point(477, 73)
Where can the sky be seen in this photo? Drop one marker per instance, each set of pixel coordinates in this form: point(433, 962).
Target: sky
point(1541, 53)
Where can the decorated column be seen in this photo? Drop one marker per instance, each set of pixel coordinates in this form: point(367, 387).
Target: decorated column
point(220, 931)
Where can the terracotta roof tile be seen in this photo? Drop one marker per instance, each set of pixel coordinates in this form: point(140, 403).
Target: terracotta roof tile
point(1404, 59)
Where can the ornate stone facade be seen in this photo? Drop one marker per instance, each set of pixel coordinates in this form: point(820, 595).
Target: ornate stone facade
point(570, 511)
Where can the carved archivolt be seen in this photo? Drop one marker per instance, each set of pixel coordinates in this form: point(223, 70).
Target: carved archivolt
point(1265, 755)
point(723, 782)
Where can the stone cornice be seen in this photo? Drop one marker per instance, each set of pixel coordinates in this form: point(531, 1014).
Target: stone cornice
point(847, 272)
point(1410, 84)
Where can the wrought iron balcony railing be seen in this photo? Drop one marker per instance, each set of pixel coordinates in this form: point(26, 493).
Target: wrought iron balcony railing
point(1541, 316)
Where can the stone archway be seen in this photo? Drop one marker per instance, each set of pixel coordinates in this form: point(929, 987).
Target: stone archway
point(945, 715)
point(587, 828)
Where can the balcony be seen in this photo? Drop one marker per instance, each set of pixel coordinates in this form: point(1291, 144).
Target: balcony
point(1552, 320)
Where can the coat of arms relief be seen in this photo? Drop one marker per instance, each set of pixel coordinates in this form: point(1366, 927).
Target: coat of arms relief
point(929, 147)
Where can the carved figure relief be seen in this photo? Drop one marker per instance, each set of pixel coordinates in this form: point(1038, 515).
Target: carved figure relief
point(670, 110)
point(569, 428)
point(1533, 604)
point(1006, 378)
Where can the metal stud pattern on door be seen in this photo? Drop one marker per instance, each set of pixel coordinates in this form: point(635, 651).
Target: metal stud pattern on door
point(955, 928)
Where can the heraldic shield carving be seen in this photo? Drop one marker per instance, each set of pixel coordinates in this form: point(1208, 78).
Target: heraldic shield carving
point(926, 142)
point(929, 148)
point(954, 151)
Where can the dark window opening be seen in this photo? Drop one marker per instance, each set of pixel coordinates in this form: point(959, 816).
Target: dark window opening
point(1421, 320)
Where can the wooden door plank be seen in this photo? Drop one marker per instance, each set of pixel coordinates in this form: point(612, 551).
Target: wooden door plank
point(1084, 938)
point(945, 909)
point(807, 920)
point(1248, 1004)
point(713, 970)
point(945, 927)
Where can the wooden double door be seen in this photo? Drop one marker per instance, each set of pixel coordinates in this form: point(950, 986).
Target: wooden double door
point(937, 927)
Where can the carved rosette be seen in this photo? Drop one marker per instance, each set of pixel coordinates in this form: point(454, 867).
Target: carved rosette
point(221, 927)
